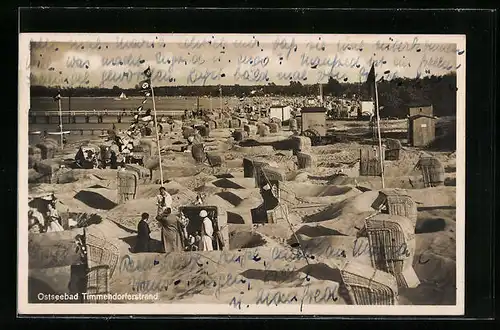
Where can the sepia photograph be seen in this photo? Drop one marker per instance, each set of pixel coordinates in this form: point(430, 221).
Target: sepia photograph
point(241, 174)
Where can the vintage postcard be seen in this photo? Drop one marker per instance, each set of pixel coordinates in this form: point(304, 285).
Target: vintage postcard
point(241, 174)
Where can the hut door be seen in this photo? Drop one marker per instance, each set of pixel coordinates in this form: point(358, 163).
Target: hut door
point(424, 131)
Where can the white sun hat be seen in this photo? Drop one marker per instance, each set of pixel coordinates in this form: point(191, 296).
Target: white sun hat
point(203, 213)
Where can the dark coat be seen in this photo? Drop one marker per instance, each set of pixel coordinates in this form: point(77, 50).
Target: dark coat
point(143, 239)
point(172, 240)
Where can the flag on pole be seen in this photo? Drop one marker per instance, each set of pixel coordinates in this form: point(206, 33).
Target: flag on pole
point(145, 84)
point(57, 97)
point(371, 81)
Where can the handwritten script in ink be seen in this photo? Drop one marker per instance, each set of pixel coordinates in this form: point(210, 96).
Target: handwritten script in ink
point(217, 60)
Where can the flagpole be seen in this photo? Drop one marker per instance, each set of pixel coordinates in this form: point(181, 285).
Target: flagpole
point(60, 122)
point(220, 97)
point(157, 135)
point(379, 135)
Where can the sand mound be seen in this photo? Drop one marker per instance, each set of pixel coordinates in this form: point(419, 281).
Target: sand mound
point(434, 197)
point(311, 190)
point(353, 205)
point(95, 174)
point(129, 213)
point(277, 232)
point(437, 281)
point(440, 243)
point(245, 239)
point(298, 176)
point(196, 181)
point(222, 204)
point(180, 195)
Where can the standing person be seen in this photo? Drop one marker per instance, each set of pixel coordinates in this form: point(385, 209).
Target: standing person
point(80, 157)
point(164, 200)
point(171, 235)
point(53, 218)
point(143, 240)
point(36, 221)
point(207, 231)
point(113, 160)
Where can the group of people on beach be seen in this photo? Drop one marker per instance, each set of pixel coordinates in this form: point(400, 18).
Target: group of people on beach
point(174, 235)
point(46, 220)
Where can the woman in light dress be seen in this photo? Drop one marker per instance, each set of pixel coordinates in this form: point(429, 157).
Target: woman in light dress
point(207, 232)
point(36, 222)
point(53, 218)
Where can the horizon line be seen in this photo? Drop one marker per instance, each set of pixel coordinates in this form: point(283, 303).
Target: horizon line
point(451, 73)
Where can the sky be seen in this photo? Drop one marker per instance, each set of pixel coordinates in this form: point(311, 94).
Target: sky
point(246, 60)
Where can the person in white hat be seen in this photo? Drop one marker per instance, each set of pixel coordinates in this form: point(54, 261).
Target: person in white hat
point(207, 231)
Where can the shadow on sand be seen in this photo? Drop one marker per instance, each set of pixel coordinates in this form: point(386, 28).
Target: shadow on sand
point(94, 200)
point(154, 245)
point(430, 225)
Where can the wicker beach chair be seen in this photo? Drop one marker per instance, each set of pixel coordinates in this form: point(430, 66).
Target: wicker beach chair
point(300, 144)
point(432, 171)
point(370, 162)
point(393, 149)
point(396, 202)
point(102, 259)
point(368, 286)
point(127, 185)
point(392, 247)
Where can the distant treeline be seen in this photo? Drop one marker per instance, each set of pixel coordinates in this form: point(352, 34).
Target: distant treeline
point(394, 95)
